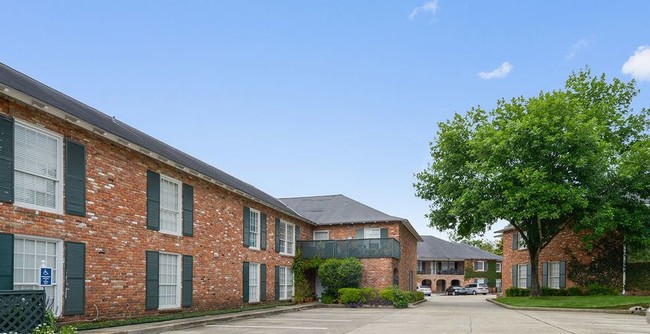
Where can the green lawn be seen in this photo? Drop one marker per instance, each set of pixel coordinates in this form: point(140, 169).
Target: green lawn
point(595, 302)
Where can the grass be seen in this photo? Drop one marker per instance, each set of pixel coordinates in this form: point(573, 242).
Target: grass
point(174, 316)
point(585, 302)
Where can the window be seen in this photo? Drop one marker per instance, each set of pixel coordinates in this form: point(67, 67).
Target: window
point(286, 283)
point(253, 282)
point(170, 205)
point(254, 229)
point(479, 265)
point(37, 169)
point(554, 275)
point(287, 238)
point(321, 235)
point(371, 233)
point(522, 242)
point(29, 254)
point(522, 275)
point(169, 279)
point(498, 267)
point(480, 281)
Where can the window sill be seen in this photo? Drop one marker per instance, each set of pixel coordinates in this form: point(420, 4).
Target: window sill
point(171, 309)
point(287, 255)
point(38, 212)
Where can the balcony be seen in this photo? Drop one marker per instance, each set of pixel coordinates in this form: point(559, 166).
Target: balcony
point(442, 272)
point(359, 248)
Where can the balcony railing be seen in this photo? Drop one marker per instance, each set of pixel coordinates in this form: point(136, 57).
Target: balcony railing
point(359, 248)
point(442, 272)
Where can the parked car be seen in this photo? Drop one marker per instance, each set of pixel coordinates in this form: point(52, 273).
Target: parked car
point(425, 289)
point(456, 290)
point(475, 288)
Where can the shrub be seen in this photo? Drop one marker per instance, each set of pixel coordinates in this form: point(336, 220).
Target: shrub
point(388, 293)
point(340, 273)
point(419, 295)
point(517, 292)
point(601, 290)
point(328, 298)
point(545, 291)
point(351, 295)
point(574, 291)
point(397, 297)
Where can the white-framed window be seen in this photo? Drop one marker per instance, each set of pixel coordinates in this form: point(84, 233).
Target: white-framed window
point(498, 266)
point(371, 233)
point(479, 265)
point(287, 238)
point(321, 235)
point(286, 283)
point(253, 282)
point(169, 280)
point(480, 280)
point(554, 275)
point(29, 253)
point(170, 205)
point(38, 168)
point(522, 276)
point(522, 242)
point(254, 229)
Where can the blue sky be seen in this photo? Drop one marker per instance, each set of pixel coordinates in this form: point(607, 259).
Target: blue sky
point(305, 98)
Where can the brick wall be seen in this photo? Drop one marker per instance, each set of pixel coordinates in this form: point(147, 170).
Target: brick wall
point(116, 235)
point(555, 251)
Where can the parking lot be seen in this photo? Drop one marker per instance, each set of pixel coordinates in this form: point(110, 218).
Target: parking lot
point(440, 314)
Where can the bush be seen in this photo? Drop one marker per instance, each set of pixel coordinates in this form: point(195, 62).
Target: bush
point(351, 296)
point(517, 292)
point(601, 290)
point(399, 298)
point(340, 273)
point(574, 291)
point(49, 326)
point(419, 295)
point(388, 293)
point(545, 291)
point(328, 298)
point(368, 294)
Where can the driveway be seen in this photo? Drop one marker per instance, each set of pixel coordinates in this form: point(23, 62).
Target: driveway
point(440, 314)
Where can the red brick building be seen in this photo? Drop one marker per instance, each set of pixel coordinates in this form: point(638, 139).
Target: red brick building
point(553, 259)
point(129, 225)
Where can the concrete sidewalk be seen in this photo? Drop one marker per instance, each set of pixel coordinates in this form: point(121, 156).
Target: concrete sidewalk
point(170, 325)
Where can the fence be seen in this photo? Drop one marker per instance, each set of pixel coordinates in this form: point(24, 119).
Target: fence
point(21, 310)
point(359, 248)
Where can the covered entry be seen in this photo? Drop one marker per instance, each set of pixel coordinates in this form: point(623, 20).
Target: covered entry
point(441, 285)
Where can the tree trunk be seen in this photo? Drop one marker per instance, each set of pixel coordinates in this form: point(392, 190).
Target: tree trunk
point(534, 277)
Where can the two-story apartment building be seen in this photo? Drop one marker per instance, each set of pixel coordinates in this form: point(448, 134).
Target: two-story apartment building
point(130, 225)
point(441, 264)
point(344, 227)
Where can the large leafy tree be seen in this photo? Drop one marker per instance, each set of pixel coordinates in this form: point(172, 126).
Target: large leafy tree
point(571, 158)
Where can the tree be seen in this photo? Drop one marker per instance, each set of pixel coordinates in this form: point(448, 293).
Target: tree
point(494, 246)
point(340, 273)
point(571, 158)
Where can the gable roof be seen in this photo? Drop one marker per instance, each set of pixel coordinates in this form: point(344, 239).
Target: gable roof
point(32, 92)
point(432, 248)
point(340, 209)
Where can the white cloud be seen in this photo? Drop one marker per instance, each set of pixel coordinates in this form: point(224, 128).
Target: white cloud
point(430, 7)
point(577, 46)
point(500, 72)
point(638, 65)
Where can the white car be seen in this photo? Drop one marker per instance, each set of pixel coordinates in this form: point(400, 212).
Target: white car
point(475, 288)
point(425, 289)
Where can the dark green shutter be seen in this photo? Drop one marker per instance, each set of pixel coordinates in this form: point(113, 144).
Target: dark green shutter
point(188, 210)
point(152, 287)
point(515, 240)
point(297, 232)
point(75, 278)
point(153, 201)
point(383, 233)
point(7, 260)
point(262, 282)
point(245, 283)
point(263, 231)
point(188, 287)
point(515, 276)
point(75, 178)
point(562, 275)
point(6, 160)
point(277, 235)
point(359, 233)
point(277, 283)
point(247, 226)
point(528, 280)
point(545, 274)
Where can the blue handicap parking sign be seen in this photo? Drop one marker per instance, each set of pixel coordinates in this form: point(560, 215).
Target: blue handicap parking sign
point(45, 277)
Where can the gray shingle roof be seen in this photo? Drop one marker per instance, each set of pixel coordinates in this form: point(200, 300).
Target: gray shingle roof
point(27, 85)
point(433, 248)
point(340, 209)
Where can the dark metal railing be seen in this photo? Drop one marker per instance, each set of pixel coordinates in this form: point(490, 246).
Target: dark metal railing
point(359, 248)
